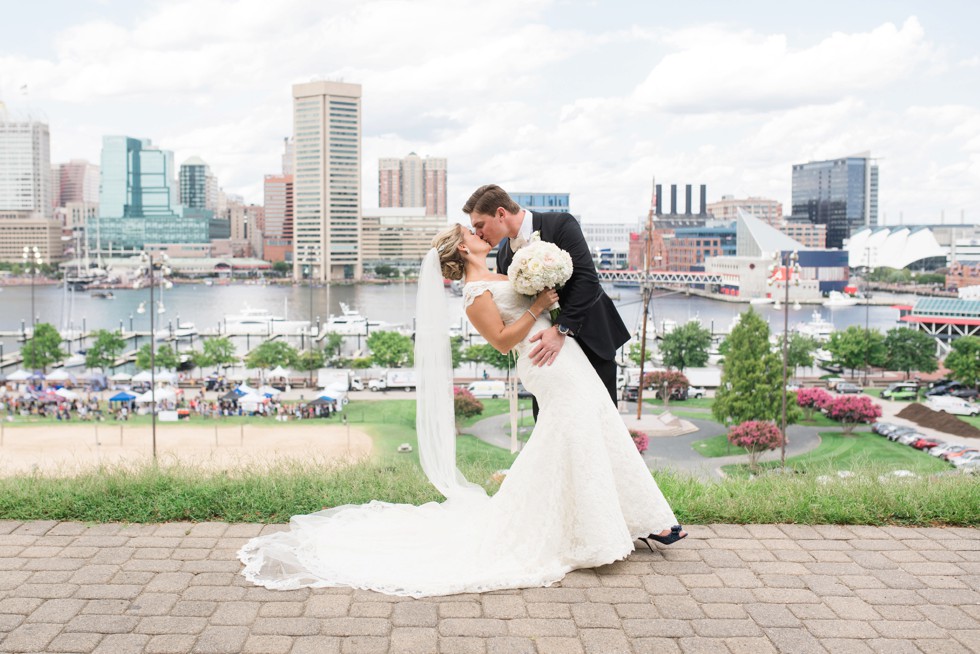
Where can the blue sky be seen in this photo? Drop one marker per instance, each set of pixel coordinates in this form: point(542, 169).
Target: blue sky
point(592, 98)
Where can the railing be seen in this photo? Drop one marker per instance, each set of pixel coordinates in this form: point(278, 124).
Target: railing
point(660, 277)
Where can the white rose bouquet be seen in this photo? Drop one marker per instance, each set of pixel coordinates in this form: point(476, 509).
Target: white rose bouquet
point(540, 265)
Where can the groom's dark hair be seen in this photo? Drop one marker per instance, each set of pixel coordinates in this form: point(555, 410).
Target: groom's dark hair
point(486, 199)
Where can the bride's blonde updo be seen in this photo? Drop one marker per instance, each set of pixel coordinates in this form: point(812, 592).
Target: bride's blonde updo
point(447, 245)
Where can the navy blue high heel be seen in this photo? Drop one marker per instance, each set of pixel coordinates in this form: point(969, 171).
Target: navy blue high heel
point(672, 537)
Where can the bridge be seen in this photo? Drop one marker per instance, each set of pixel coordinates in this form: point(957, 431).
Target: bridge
point(660, 277)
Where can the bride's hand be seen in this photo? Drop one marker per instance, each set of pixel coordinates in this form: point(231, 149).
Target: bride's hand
point(545, 300)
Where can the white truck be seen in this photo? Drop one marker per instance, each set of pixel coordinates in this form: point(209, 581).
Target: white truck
point(403, 378)
point(343, 379)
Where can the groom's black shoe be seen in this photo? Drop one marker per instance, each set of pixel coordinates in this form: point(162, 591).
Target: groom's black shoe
point(672, 537)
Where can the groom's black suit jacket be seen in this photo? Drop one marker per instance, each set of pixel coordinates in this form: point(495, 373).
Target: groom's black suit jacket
point(585, 307)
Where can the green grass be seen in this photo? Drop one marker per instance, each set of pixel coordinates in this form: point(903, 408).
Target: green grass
point(693, 403)
point(163, 494)
point(861, 451)
point(873, 392)
point(716, 446)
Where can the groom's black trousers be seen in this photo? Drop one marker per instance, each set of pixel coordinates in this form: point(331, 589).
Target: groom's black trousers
point(605, 368)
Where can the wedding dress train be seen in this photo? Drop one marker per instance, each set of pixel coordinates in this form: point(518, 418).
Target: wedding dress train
point(577, 496)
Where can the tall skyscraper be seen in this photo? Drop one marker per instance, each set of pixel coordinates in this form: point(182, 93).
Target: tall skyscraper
point(76, 182)
point(278, 202)
point(25, 167)
point(840, 193)
point(413, 182)
point(194, 174)
point(327, 187)
point(138, 201)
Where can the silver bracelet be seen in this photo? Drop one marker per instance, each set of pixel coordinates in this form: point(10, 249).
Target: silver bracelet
point(532, 315)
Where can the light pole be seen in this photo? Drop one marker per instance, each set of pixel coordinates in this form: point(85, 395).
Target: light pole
point(309, 259)
point(790, 263)
point(147, 259)
point(32, 259)
point(868, 270)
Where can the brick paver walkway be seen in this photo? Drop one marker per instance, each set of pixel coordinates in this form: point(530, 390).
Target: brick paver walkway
point(175, 588)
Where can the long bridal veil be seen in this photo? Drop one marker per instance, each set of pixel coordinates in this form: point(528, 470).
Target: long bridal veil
point(435, 421)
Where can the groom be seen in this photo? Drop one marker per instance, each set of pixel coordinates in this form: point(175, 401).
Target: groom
point(587, 313)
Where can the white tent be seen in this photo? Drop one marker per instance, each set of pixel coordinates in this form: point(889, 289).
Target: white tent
point(162, 394)
point(121, 376)
point(251, 401)
point(279, 371)
point(58, 375)
point(246, 389)
point(19, 375)
point(161, 376)
point(67, 394)
point(268, 391)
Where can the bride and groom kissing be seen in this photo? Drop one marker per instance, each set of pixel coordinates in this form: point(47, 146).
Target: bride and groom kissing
point(579, 495)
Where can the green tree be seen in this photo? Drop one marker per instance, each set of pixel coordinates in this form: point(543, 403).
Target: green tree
point(271, 354)
point(752, 377)
point(165, 357)
point(909, 349)
point(963, 360)
point(686, 346)
point(634, 353)
point(856, 347)
point(456, 350)
point(310, 360)
point(488, 354)
point(799, 353)
point(386, 271)
point(43, 348)
point(218, 352)
point(282, 267)
point(105, 349)
point(333, 343)
point(391, 349)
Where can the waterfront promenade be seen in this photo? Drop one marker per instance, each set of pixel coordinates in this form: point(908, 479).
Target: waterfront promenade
point(175, 589)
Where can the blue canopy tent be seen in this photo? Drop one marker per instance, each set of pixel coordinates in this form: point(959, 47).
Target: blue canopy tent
point(122, 397)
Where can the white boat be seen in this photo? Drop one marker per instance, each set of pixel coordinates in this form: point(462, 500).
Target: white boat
point(818, 327)
point(352, 323)
point(74, 361)
point(183, 330)
point(836, 299)
point(253, 320)
point(761, 300)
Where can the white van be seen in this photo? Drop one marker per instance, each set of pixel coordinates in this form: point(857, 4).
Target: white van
point(491, 389)
point(955, 405)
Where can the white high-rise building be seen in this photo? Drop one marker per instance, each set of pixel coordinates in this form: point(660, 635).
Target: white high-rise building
point(327, 180)
point(25, 167)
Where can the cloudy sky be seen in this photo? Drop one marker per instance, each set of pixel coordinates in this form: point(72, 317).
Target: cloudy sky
point(593, 98)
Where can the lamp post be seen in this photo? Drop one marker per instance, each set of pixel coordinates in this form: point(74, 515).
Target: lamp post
point(147, 259)
point(32, 259)
point(309, 259)
point(790, 263)
point(869, 269)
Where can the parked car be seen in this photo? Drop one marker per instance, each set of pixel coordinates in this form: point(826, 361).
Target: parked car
point(966, 457)
point(955, 452)
point(926, 443)
point(522, 392)
point(488, 389)
point(941, 449)
point(945, 389)
point(696, 392)
point(876, 427)
point(886, 428)
point(901, 391)
point(965, 393)
point(954, 405)
point(848, 388)
point(895, 434)
point(909, 438)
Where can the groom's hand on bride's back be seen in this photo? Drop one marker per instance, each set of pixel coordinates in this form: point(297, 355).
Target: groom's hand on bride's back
point(549, 344)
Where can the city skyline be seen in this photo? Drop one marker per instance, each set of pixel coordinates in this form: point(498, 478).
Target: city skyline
point(592, 99)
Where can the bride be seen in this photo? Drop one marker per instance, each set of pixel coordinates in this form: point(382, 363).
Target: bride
point(576, 497)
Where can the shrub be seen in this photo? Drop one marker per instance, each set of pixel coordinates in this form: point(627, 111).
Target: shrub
point(756, 436)
point(666, 383)
point(813, 398)
point(641, 440)
point(851, 410)
point(465, 405)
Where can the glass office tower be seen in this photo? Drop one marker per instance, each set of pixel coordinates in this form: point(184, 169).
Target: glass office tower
point(841, 194)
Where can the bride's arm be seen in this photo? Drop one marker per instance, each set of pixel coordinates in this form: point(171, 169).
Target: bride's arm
point(486, 318)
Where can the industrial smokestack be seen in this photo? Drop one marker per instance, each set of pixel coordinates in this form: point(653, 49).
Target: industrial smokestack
point(688, 207)
point(673, 199)
point(704, 200)
point(660, 200)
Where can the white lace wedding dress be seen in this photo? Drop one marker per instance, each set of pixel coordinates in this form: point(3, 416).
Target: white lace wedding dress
point(576, 497)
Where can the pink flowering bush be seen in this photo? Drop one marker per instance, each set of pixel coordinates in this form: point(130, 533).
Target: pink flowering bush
point(465, 405)
point(811, 399)
point(852, 410)
point(641, 440)
point(756, 436)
